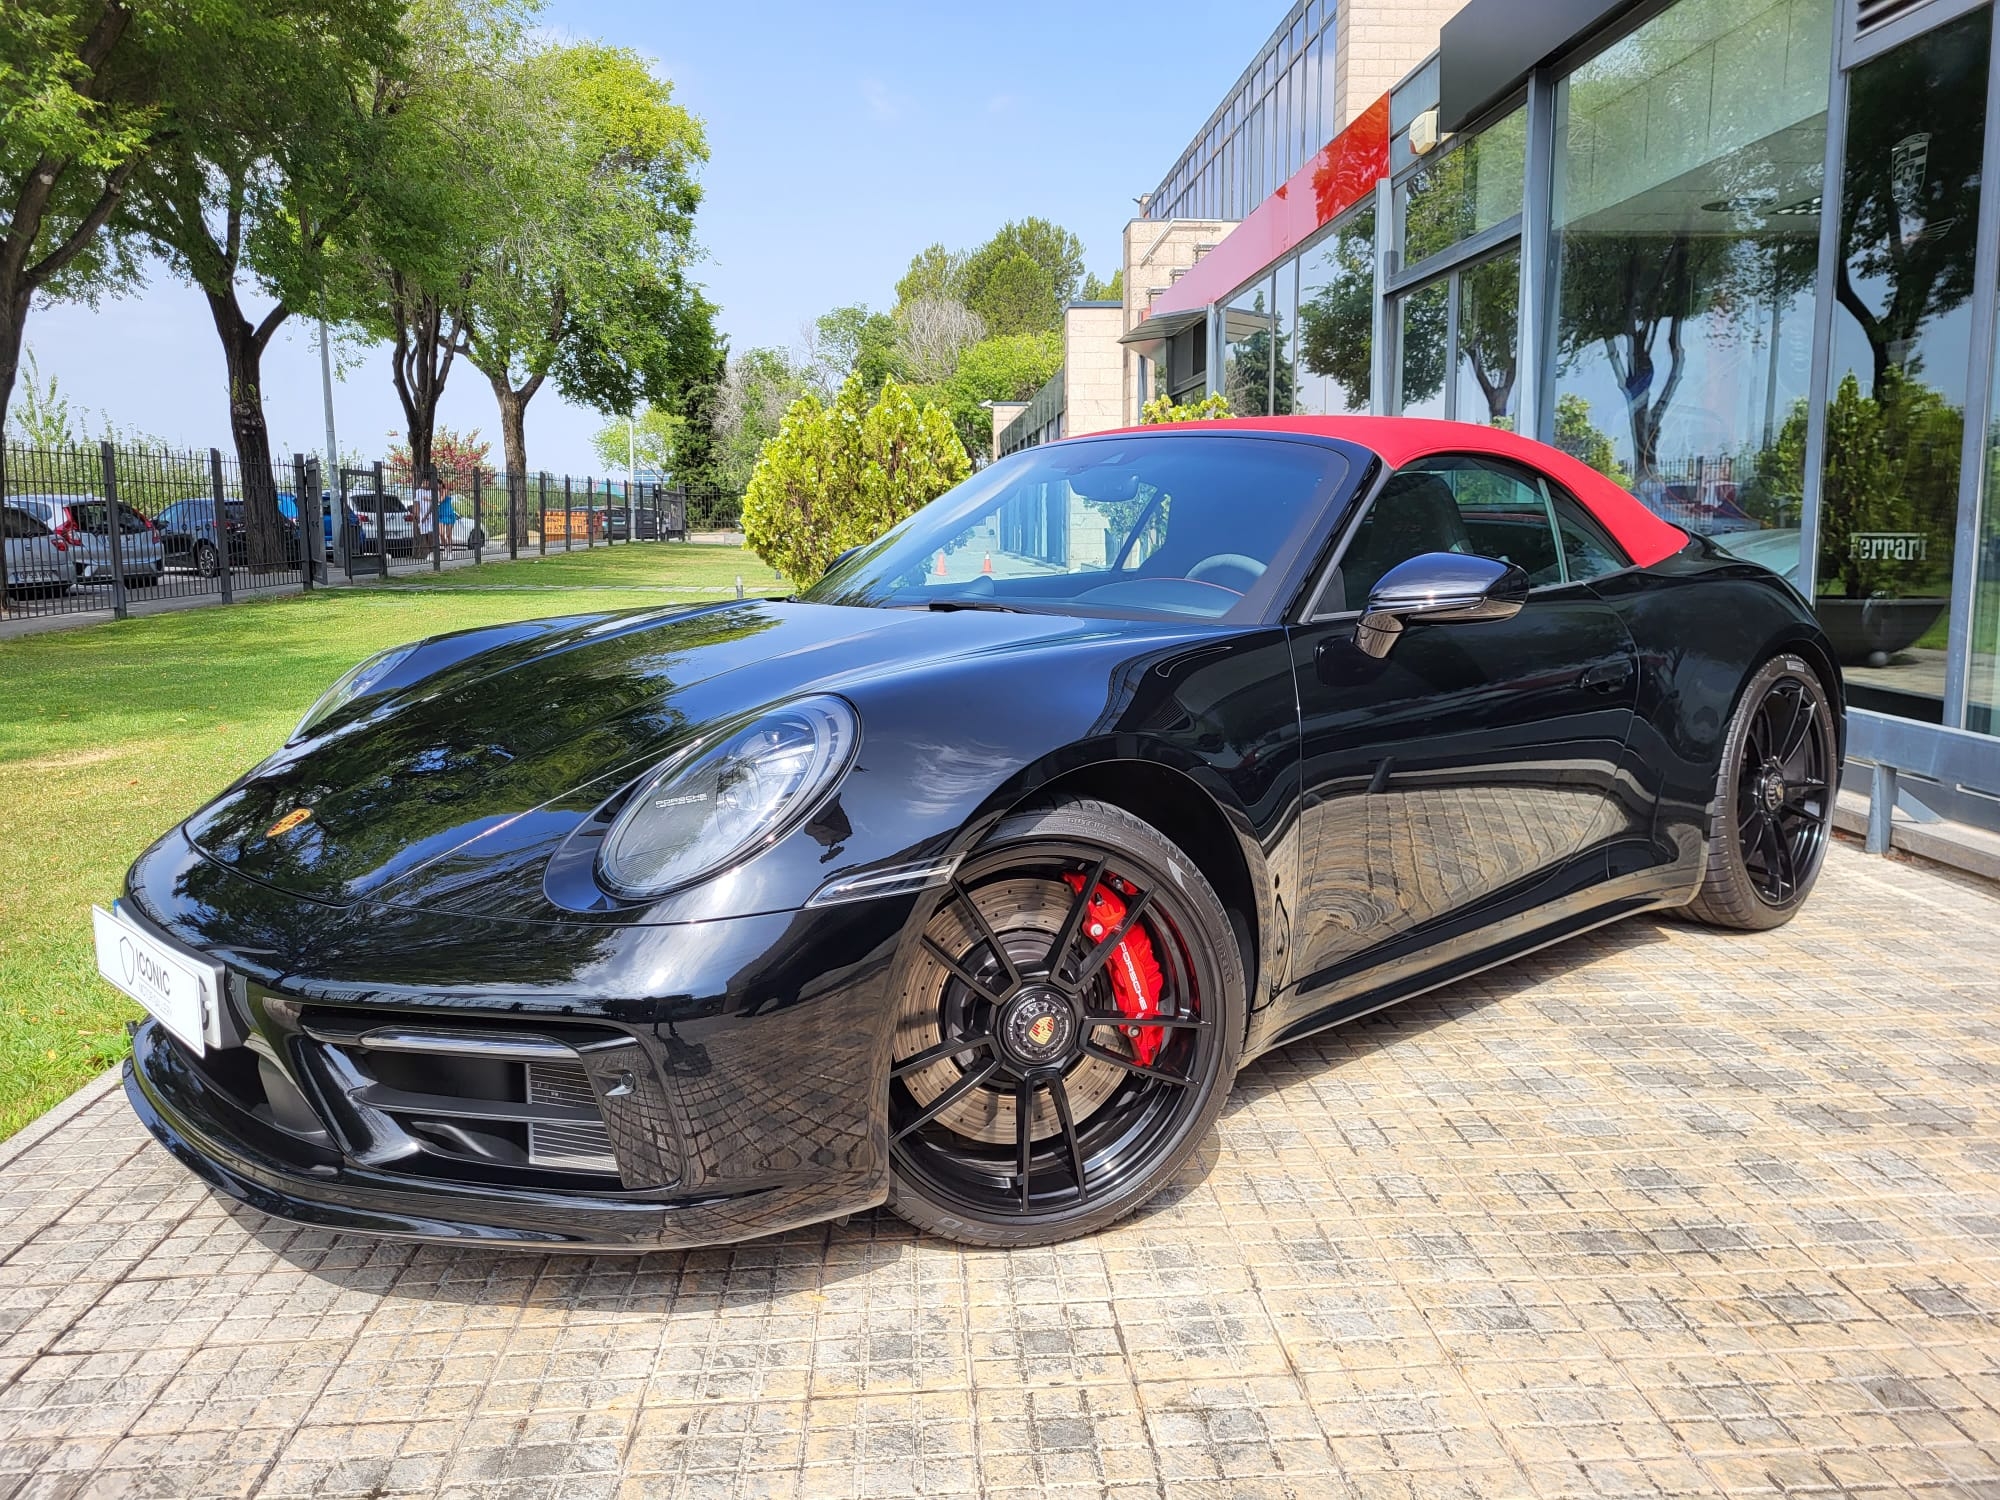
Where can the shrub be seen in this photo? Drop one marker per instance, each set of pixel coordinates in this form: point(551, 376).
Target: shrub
point(1162, 409)
point(837, 476)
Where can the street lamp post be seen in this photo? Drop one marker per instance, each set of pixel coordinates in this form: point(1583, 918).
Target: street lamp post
point(330, 475)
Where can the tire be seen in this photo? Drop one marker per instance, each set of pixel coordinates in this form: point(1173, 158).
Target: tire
point(1772, 816)
point(1108, 1121)
point(207, 561)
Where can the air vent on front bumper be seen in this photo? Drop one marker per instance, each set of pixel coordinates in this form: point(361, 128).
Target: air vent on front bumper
point(456, 1098)
point(582, 1146)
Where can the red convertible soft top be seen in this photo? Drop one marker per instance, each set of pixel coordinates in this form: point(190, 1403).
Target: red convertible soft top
point(1399, 440)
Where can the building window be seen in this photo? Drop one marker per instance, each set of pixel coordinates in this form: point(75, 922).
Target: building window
point(1896, 387)
point(1689, 159)
point(1489, 342)
point(1336, 322)
point(1252, 345)
point(1271, 123)
point(1452, 196)
point(1423, 324)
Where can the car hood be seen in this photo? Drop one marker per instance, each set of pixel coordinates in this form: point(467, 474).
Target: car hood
point(514, 735)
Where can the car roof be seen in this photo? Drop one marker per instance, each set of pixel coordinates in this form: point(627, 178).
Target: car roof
point(1397, 441)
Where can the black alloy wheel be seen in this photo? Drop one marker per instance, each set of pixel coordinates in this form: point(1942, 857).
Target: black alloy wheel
point(1774, 800)
point(1025, 1105)
point(207, 561)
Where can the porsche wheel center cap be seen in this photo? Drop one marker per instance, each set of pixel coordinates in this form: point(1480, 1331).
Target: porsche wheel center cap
point(1038, 1028)
point(1771, 790)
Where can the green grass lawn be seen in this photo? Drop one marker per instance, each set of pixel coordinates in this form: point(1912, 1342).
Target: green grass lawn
point(109, 734)
point(678, 566)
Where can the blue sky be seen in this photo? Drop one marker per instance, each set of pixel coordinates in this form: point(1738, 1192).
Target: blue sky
point(844, 138)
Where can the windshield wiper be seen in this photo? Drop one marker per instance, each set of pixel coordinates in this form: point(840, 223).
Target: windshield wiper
point(985, 604)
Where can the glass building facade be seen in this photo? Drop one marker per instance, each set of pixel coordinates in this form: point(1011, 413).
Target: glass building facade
point(1736, 255)
point(1279, 113)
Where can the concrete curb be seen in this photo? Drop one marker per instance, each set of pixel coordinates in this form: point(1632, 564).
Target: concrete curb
point(36, 1131)
point(1954, 846)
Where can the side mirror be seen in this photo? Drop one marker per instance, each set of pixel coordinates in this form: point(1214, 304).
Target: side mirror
point(843, 557)
point(1437, 588)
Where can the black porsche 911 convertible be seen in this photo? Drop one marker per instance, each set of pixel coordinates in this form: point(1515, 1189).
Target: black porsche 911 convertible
point(966, 880)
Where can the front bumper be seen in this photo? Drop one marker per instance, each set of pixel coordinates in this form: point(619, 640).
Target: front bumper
point(237, 1154)
point(758, 1047)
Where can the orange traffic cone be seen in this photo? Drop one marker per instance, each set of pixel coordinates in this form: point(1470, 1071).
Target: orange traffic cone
point(987, 566)
point(939, 569)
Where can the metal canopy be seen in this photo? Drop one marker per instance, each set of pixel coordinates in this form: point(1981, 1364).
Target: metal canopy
point(1162, 326)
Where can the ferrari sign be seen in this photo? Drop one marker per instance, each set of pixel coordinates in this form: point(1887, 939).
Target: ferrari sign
point(1888, 546)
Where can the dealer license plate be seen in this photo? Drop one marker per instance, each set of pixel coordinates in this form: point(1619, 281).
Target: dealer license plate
point(180, 990)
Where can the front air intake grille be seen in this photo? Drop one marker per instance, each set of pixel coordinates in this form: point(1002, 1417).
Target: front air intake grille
point(486, 1102)
point(581, 1147)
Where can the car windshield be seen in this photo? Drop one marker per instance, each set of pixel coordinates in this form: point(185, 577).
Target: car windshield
point(19, 523)
point(1133, 525)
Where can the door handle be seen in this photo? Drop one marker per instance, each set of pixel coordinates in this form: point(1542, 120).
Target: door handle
point(1607, 676)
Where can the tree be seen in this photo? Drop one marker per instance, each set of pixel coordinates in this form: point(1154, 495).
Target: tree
point(583, 278)
point(1016, 296)
point(1336, 327)
point(1105, 291)
point(935, 275)
point(648, 439)
point(931, 335)
point(89, 89)
point(241, 199)
point(837, 476)
point(42, 419)
point(1892, 461)
point(1011, 367)
point(1632, 295)
point(1253, 386)
point(761, 386)
point(848, 342)
point(86, 88)
point(1584, 441)
point(447, 164)
point(1020, 280)
point(457, 456)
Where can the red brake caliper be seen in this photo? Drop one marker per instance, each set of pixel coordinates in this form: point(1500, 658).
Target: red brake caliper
point(1135, 971)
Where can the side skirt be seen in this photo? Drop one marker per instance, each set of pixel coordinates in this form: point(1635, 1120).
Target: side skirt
point(1510, 938)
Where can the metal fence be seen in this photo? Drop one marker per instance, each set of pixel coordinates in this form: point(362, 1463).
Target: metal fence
point(196, 525)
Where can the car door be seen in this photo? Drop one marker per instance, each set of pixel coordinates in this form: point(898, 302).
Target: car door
point(1449, 782)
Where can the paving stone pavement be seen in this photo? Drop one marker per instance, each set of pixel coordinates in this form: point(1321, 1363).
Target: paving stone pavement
point(1662, 1211)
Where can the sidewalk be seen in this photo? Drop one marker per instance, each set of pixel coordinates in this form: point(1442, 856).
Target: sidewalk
point(1662, 1211)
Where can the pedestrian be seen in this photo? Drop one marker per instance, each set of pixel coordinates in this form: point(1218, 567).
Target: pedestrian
point(423, 510)
point(447, 520)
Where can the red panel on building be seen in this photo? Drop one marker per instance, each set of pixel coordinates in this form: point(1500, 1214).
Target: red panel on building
point(1343, 172)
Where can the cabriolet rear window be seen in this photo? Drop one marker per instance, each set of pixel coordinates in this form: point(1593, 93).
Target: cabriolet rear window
point(1141, 525)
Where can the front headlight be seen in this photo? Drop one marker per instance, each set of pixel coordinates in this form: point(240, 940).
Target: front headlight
point(353, 683)
point(716, 803)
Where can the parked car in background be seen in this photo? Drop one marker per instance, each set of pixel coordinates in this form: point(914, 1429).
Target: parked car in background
point(38, 561)
point(80, 521)
point(189, 536)
point(288, 507)
point(398, 535)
